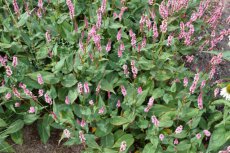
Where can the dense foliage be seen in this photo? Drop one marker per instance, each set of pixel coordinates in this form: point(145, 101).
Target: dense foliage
point(113, 75)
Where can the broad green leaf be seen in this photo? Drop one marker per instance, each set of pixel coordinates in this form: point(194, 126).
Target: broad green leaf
point(5, 147)
point(157, 93)
point(90, 141)
point(149, 148)
point(105, 85)
point(128, 138)
point(118, 120)
point(69, 80)
point(141, 97)
point(2, 123)
point(14, 127)
point(17, 137)
point(44, 132)
point(23, 19)
point(107, 141)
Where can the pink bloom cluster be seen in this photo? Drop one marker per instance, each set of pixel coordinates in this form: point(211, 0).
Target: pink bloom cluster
point(123, 146)
point(115, 15)
point(123, 91)
point(179, 129)
point(194, 84)
point(126, 71)
point(134, 69)
point(150, 104)
point(16, 8)
point(200, 101)
point(215, 61)
point(155, 121)
point(71, 8)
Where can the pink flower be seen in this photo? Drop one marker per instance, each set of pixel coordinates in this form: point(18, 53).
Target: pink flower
point(179, 129)
point(151, 100)
point(155, 31)
point(189, 58)
point(123, 9)
point(8, 96)
point(98, 89)
point(39, 12)
point(67, 101)
point(163, 26)
point(212, 72)
point(123, 91)
point(86, 88)
point(119, 35)
point(123, 146)
point(99, 18)
point(91, 102)
point(155, 121)
point(163, 10)
point(67, 133)
point(216, 92)
point(198, 136)
point(108, 46)
point(17, 104)
point(169, 41)
point(101, 110)
point(48, 99)
point(80, 88)
point(16, 93)
point(31, 110)
point(40, 80)
point(185, 82)
point(150, 2)
point(8, 71)
point(15, 61)
point(161, 137)
point(82, 137)
point(203, 84)
point(118, 104)
point(71, 8)
point(40, 92)
point(16, 8)
point(40, 4)
point(109, 95)
point(143, 43)
point(176, 142)
point(194, 84)
point(83, 123)
point(139, 90)
point(126, 71)
point(200, 101)
point(103, 6)
point(207, 133)
point(119, 53)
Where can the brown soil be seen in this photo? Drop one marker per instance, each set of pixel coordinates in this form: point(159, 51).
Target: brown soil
point(32, 143)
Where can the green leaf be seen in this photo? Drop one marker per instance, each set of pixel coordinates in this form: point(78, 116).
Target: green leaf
point(162, 76)
point(5, 147)
point(17, 137)
point(30, 118)
point(72, 94)
point(42, 53)
point(44, 132)
point(118, 120)
point(107, 150)
point(149, 148)
point(141, 97)
point(69, 80)
point(173, 87)
point(23, 19)
point(167, 98)
point(219, 137)
point(115, 26)
point(14, 127)
point(128, 138)
point(48, 77)
point(221, 102)
point(90, 141)
point(157, 93)
point(107, 141)
point(2, 123)
point(3, 45)
point(105, 85)
point(4, 89)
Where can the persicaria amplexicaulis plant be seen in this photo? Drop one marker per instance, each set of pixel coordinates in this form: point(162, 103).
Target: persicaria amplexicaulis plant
point(115, 75)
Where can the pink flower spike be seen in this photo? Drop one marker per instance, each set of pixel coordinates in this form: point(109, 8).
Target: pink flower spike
point(8, 71)
point(123, 90)
point(139, 90)
point(164, 26)
point(198, 136)
point(31, 110)
point(17, 104)
point(8, 96)
point(216, 92)
point(176, 142)
point(40, 80)
point(91, 102)
point(123, 146)
point(119, 35)
point(200, 101)
point(15, 61)
point(185, 82)
point(101, 110)
point(67, 101)
point(108, 46)
point(161, 137)
point(40, 92)
point(179, 129)
point(207, 133)
point(155, 121)
point(118, 104)
point(67, 133)
point(48, 37)
point(82, 137)
point(86, 88)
